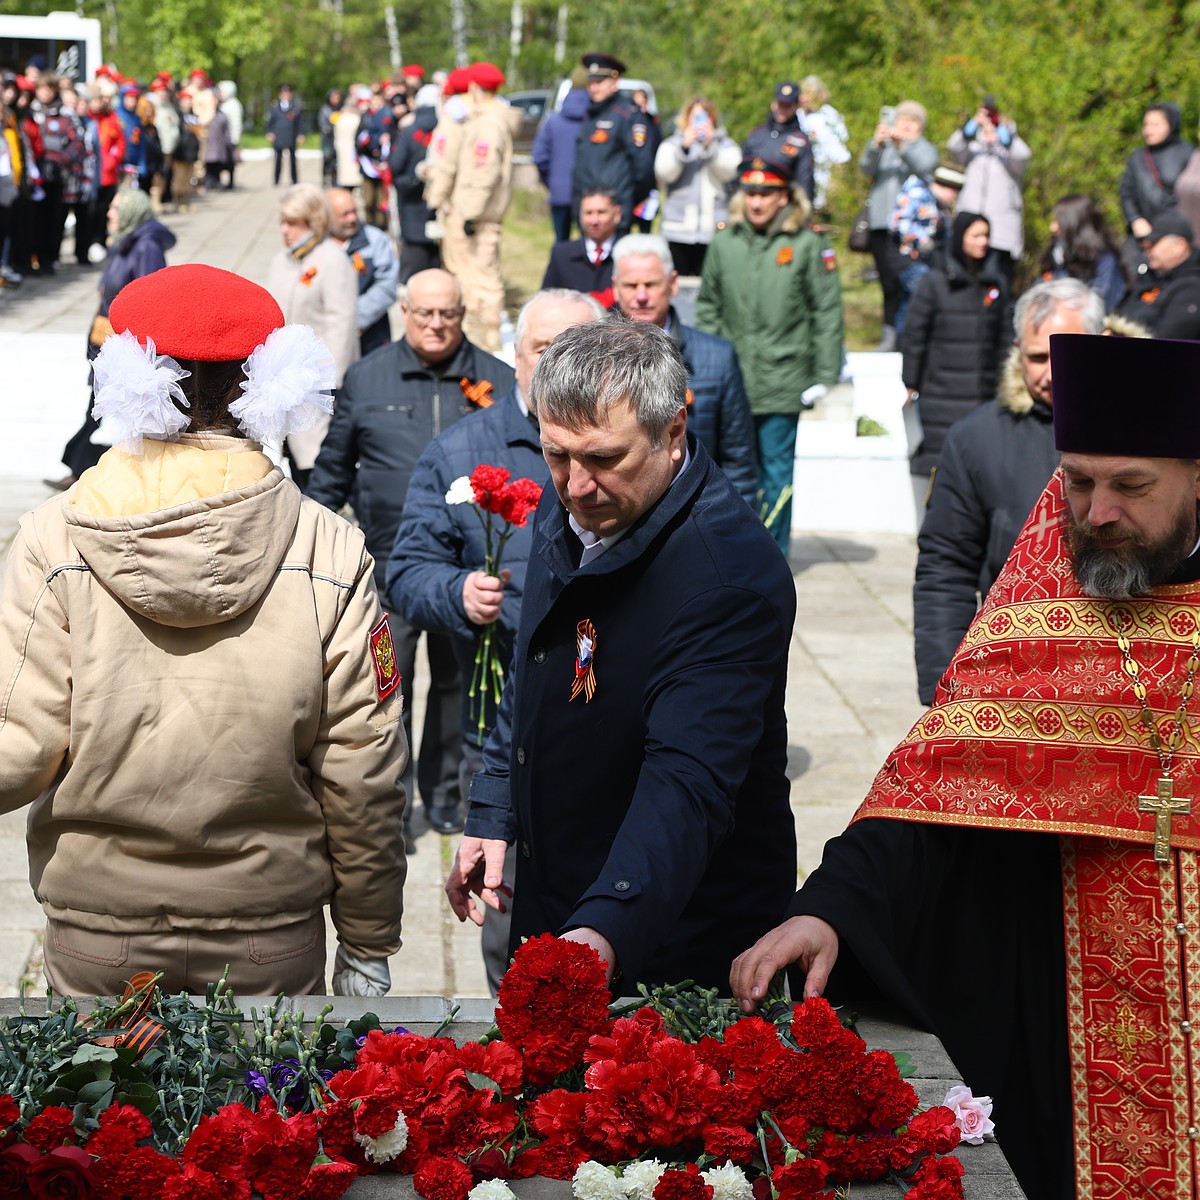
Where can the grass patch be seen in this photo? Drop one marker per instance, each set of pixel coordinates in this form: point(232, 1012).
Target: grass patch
point(525, 247)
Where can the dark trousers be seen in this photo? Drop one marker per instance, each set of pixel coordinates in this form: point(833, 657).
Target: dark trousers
point(418, 256)
point(99, 223)
point(50, 215)
point(441, 739)
point(776, 439)
point(560, 216)
point(689, 259)
point(280, 151)
point(81, 452)
point(888, 263)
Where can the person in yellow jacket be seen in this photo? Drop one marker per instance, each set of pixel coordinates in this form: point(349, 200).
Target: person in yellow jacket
point(471, 190)
point(201, 698)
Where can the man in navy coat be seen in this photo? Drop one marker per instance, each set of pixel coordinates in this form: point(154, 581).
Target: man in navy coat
point(639, 757)
point(435, 575)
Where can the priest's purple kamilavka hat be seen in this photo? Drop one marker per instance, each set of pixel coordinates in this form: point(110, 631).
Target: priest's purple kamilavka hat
point(1126, 396)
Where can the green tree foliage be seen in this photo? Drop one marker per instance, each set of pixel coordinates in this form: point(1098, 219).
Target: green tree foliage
point(1075, 75)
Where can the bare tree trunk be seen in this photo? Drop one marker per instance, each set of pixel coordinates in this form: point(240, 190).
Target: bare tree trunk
point(514, 37)
point(393, 33)
point(458, 32)
point(560, 37)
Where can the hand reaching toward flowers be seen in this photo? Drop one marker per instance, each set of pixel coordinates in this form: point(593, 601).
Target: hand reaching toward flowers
point(809, 941)
point(478, 871)
point(483, 594)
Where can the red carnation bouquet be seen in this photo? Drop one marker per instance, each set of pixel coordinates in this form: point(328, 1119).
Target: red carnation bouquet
point(502, 504)
point(676, 1095)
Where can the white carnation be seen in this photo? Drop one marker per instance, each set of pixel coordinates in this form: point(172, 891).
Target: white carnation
point(641, 1178)
point(391, 1145)
point(594, 1181)
point(728, 1182)
point(492, 1189)
point(461, 491)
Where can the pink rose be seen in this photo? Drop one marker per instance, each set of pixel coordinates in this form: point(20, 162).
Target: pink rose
point(973, 1114)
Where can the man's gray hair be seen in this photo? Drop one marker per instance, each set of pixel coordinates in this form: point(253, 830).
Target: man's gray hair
point(561, 296)
point(590, 368)
point(637, 245)
point(1044, 299)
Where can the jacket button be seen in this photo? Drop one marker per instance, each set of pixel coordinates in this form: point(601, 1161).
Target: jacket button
point(521, 755)
point(539, 655)
point(622, 885)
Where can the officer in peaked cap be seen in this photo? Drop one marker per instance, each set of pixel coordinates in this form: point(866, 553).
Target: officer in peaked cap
point(781, 138)
point(615, 151)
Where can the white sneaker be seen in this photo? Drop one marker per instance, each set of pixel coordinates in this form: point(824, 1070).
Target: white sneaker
point(11, 278)
point(96, 253)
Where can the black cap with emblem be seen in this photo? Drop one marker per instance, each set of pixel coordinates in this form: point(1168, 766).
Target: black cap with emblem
point(603, 66)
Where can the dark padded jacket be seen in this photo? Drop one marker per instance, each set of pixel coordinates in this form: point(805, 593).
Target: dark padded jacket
point(1168, 304)
point(952, 345)
point(994, 466)
point(389, 408)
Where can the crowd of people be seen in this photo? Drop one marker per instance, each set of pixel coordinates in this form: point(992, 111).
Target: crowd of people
point(645, 614)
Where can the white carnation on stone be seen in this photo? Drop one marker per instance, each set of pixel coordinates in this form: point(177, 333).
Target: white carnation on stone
point(492, 1189)
point(728, 1182)
point(390, 1145)
point(641, 1178)
point(461, 491)
point(594, 1181)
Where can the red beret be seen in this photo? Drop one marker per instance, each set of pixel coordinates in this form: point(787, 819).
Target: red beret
point(199, 312)
point(414, 69)
point(25, 84)
point(487, 75)
point(457, 82)
point(158, 85)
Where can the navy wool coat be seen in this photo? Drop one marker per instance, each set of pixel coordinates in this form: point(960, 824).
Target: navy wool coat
point(657, 812)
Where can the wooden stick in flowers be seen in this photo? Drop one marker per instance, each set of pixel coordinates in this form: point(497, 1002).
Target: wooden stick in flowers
point(502, 505)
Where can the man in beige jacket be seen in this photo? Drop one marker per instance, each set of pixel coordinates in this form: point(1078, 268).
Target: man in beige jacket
point(471, 188)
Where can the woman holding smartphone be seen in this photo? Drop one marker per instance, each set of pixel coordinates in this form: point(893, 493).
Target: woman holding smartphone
point(694, 166)
point(897, 149)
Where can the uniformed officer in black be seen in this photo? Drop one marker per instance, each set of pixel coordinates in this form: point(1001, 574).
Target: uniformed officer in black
point(615, 151)
point(781, 138)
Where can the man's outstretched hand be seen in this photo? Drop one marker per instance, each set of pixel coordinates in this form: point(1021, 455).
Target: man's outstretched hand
point(811, 942)
point(478, 871)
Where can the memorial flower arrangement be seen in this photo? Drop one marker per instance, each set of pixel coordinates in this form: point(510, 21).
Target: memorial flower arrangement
point(673, 1096)
point(502, 504)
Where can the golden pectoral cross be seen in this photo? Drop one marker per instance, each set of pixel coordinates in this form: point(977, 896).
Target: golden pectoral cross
point(1164, 806)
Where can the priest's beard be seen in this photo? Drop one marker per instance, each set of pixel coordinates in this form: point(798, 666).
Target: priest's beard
point(1118, 572)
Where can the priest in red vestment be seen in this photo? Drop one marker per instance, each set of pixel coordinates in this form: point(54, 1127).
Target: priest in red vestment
point(1022, 878)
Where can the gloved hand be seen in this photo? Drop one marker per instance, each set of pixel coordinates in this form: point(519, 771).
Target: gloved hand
point(360, 976)
point(469, 228)
point(811, 395)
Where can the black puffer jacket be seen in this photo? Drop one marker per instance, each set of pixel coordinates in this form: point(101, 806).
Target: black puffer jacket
point(994, 465)
point(408, 152)
point(1167, 302)
point(1148, 183)
point(389, 408)
point(957, 326)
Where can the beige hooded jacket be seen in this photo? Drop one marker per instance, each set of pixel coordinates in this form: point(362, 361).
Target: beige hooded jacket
point(189, 698)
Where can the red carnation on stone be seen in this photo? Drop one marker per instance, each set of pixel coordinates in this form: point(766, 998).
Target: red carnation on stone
point(442, 1178)
point(799, 1180)
point(328, 1181)
point(194, 1183)
point(682, 1183)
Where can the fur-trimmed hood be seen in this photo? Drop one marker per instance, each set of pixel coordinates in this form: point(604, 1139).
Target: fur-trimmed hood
point(1012, 393)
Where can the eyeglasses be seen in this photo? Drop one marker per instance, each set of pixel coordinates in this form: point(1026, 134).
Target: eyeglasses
point(425, 316)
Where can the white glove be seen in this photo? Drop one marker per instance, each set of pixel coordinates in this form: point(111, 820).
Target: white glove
point(360, 976)
point(811, 395)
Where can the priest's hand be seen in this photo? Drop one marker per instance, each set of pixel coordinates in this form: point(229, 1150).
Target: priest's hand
point(599, 943)
point(809, 941)
point(478, 871)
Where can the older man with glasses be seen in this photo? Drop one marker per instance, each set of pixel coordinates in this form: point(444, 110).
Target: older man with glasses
point(391, 405)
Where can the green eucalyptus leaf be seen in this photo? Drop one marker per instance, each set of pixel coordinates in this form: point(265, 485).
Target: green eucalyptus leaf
point(482, 1082)
point(93, 1053)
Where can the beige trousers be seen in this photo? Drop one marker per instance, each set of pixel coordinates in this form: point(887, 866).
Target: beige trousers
point(262, 962)
point(477, 267)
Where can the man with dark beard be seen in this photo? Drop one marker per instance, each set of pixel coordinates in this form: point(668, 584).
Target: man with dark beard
point(1023, 878)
